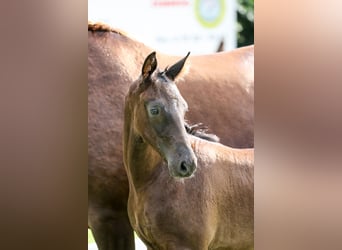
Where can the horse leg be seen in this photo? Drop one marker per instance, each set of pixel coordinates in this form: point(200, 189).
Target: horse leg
point(111, 230)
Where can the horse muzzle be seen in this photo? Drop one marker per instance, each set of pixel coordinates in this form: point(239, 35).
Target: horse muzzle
point(184, 164)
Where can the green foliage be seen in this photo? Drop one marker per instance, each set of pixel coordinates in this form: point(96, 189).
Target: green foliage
point(245, 22)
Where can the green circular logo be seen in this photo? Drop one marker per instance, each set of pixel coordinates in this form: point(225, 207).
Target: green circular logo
point(210, 13)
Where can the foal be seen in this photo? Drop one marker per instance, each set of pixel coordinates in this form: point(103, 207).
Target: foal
point(184, 192)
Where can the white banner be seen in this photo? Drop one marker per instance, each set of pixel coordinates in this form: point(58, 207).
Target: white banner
point(172, 26)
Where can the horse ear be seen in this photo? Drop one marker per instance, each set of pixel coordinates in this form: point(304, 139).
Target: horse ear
point(149, 65)
point(174, 70)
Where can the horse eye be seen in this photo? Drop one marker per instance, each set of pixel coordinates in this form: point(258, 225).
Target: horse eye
point(154, 111)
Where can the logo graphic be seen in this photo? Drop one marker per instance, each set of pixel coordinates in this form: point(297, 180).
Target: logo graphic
point(210, 13)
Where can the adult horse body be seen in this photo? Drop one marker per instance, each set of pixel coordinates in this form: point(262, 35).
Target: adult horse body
point(211, 210)
point(219, 89)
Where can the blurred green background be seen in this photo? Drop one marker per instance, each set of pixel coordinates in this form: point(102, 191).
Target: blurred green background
point(245, 22)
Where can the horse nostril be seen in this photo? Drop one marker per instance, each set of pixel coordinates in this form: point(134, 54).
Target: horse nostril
point(184, 167)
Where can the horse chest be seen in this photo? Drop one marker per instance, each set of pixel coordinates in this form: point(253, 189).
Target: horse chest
point(170, 212)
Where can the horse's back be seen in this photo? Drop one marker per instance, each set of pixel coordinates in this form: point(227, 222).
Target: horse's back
point(219, 89)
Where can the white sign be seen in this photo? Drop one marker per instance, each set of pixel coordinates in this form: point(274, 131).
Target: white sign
point(171, 26)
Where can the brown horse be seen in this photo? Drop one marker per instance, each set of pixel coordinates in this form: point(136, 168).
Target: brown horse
point(219, 88)
point(211, 210)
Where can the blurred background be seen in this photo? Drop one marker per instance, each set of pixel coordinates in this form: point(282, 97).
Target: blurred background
point(178, 26)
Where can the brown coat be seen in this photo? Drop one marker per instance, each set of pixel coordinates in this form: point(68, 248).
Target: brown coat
point(219, 89)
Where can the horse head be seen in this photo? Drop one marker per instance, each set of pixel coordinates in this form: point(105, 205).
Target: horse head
point(157, 112)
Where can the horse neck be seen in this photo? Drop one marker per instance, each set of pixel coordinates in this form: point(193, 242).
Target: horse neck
point(140, 159)
point(217, 152)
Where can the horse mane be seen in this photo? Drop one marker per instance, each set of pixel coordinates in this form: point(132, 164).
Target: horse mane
point(200, 131)
point(103, 27)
